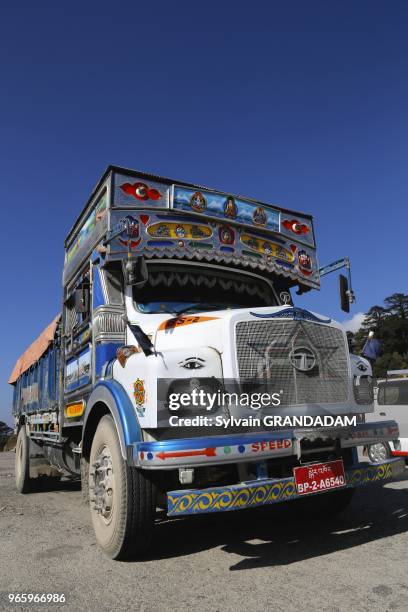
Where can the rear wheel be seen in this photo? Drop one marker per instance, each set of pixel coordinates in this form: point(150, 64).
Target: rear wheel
point(27, 456)
point(22, 462)
point(121, 497)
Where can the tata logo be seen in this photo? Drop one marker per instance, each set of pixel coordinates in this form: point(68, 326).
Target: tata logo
point(302, 358)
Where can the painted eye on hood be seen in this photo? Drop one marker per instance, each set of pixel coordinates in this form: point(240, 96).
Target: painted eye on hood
point(362, 367)
point(192, 363)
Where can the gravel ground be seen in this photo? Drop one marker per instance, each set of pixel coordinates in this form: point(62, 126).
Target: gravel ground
point(269, 559)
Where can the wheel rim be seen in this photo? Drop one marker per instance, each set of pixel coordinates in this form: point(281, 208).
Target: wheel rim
point(377, 452)
point(102, 485)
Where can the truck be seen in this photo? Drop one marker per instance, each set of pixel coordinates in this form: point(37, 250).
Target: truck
point(391, 401)
point(180, 378)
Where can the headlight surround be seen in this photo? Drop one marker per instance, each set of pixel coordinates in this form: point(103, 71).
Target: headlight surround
point(184, 370)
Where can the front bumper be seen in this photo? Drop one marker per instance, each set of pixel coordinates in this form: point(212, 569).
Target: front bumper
point(255, 446)
point(269, 491)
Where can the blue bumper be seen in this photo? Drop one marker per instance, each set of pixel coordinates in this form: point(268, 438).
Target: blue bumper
point(269, 491)
point(254, 446)
point(192, 452)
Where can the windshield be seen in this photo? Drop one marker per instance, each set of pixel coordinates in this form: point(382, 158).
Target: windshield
point(182, 288)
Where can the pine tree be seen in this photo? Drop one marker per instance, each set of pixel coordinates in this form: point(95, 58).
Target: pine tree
point(397, 305)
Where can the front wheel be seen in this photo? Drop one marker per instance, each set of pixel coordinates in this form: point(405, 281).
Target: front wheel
point(379, 452)
point(121, 497)
point(327, 505)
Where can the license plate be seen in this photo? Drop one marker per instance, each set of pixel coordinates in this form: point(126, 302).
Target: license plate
point(318, 477)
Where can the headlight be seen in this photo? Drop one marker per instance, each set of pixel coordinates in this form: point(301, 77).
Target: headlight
point(188, 397)
point(363, 389)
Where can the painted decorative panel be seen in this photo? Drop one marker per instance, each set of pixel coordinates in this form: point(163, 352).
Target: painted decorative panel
point(179, 221)
point(139, 193)
point(225, 207)
point(195, 237)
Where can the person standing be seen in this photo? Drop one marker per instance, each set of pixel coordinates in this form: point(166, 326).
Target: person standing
point(372, 348)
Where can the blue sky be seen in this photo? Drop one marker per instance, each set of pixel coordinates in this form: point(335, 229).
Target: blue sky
point(302, 104)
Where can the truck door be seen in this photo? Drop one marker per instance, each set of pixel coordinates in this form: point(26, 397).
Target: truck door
point(392, 404)
point(77, 336)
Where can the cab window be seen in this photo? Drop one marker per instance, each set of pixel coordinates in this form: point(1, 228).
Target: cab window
point(393, 393)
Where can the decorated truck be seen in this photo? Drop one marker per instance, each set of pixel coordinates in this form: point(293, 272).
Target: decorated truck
point(180, 378)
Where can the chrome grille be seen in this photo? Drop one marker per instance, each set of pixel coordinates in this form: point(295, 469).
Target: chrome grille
point(267, 351)
point(108, 324)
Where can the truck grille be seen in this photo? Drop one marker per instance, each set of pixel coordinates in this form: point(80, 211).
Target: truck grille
point(307, 361)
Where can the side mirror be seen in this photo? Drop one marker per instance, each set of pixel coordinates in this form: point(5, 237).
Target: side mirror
point(344, 293)
point(135, 272)
point(143, 339)
point(81, 297)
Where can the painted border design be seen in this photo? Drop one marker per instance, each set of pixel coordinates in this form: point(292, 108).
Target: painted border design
point(244, 495)
point(297, 314)
point(223, 243)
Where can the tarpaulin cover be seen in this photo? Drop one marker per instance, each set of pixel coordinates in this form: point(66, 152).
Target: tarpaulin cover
point(34, 351)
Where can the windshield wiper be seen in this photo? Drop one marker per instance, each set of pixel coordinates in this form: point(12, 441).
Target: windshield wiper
point(202, 306)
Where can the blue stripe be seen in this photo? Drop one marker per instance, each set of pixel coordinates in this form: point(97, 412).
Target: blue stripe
point(103, 353)
point(98, 299)
point(214, 441)
point(161, 243)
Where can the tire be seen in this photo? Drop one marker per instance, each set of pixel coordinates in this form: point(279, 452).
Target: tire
point(85, 480)
point(22, 462)
point(24, 483)
point(327, 505)
point(121, 497)
point(378, 452)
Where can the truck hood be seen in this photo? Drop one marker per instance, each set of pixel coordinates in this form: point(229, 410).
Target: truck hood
point(216, 329)
point(230, 350)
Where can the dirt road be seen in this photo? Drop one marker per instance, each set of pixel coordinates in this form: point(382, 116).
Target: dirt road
point(261, 560)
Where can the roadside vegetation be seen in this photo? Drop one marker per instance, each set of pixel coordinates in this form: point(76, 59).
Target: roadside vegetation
point(7, 443)
point(390, 325)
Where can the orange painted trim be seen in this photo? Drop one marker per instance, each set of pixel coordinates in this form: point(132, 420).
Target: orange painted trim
point(184, 320)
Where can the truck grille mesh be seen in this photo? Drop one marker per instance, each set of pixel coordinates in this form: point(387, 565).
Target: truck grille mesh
point(265, 351)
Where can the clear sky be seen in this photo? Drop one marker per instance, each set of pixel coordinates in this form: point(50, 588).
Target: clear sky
point(298, 103)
